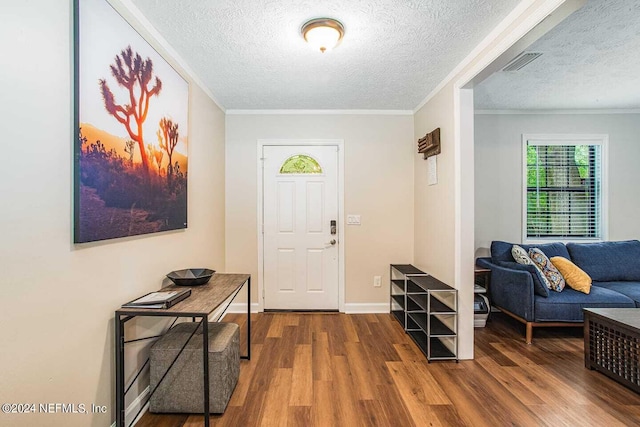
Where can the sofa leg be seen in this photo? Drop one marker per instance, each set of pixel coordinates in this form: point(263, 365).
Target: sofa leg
point(529, 333)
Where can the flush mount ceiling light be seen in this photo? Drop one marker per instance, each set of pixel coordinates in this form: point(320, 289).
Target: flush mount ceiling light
point(323, 33)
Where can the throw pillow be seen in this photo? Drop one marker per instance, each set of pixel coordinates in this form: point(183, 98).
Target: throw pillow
point(547, 268)
point(539, 281)
point(520, 255)
point(574, 277)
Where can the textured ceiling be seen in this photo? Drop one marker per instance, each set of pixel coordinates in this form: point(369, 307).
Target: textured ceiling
point(395, 52)
point(590, 61)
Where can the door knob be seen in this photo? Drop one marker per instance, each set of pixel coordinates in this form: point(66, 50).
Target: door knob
point(332, 242)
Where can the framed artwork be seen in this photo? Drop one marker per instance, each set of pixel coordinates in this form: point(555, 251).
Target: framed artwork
point(131, 124)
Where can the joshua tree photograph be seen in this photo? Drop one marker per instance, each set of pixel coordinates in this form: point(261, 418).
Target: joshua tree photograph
point(130, 171)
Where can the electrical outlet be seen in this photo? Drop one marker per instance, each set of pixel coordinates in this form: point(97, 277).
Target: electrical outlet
point(377, 281)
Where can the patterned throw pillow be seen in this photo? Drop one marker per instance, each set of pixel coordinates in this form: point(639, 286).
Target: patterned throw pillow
point(521, 257)
point(549, 270)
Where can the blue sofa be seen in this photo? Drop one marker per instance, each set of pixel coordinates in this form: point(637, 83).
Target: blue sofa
point(614, 268)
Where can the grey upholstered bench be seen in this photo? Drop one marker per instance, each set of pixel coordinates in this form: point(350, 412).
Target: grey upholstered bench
point(182, 389)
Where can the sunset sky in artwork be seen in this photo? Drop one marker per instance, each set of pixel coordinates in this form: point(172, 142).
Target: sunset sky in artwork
point(103, 35)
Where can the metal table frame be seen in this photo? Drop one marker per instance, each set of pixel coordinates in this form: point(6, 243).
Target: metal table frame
point(123, 315)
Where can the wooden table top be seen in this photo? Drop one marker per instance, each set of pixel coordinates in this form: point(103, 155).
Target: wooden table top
point(204, 299)
point(624, 316)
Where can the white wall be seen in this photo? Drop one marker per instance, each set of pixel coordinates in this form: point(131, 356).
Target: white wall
point(378, 186)
point(57, 299)
point(498, 170)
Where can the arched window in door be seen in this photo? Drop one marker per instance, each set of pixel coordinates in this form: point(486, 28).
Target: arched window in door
point(300, 164)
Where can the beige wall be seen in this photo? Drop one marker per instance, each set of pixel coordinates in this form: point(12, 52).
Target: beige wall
point(435, 213)
point(434, 204)
point(57, 299)
point(444, 245)
point(378, 186)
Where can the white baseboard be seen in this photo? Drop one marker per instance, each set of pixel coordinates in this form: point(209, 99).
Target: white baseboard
point(349, 308)
point(241, 307)
point(355, 308)
point(135, 406)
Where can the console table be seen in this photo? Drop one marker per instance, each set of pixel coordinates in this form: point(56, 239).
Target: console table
point(612, 343)
point(202, 302)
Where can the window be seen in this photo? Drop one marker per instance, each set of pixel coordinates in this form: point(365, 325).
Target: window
point(563, 187)
point(301, 164)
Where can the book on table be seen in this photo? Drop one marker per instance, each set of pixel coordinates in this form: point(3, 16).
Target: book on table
point(159, 299)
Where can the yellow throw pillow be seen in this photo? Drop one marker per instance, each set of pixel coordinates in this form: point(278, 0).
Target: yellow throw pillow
point(573, 275)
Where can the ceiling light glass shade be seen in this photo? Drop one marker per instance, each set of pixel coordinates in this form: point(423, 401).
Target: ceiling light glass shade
point(323, 33)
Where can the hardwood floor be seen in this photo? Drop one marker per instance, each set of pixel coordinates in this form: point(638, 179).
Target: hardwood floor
point(363, 370)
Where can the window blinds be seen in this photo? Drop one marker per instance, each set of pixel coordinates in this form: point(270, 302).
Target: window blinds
point(563, 188)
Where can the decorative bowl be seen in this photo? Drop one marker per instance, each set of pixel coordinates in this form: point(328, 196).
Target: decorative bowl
point(191, 276)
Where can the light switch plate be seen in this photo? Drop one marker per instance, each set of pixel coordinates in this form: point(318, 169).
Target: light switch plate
point(353, 219)
point(432, 171)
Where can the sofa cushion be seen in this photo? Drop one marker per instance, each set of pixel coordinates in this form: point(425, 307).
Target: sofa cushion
point(574, 277)
point(539, 285)
point(548, 269)
point(566, 306)
point(608, 261)
point(501, 251)
point(520, 255)
point(630, 289)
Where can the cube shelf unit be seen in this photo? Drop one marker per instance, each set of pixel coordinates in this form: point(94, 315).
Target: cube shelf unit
point(427, 309)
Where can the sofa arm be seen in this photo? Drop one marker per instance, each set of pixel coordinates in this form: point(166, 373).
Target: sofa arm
point(512, 290)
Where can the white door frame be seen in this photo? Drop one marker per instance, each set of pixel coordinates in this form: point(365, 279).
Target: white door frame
point(341, 225)
point(552, 12)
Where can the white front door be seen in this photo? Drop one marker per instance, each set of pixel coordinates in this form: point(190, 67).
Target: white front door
point(300, 201)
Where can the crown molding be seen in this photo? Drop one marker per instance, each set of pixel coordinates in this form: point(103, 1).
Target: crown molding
point(560, 111)
point(322, 112)
point(148, 28)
